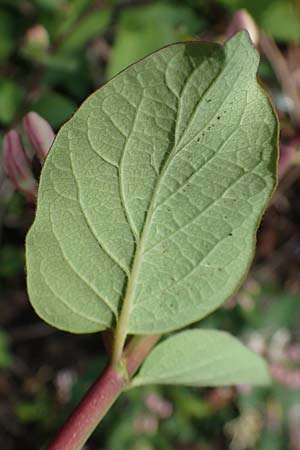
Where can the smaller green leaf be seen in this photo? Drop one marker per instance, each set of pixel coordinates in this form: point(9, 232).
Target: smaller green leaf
point(202, 358)
point(91, 26)
point(11, 96)
point(68, 17)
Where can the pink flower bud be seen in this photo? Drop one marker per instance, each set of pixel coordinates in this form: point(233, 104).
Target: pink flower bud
point(37, 37)
point(17, 165)
point(243, 21)
point(40, 134)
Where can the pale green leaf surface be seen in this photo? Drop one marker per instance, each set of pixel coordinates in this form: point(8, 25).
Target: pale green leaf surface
point(202, 358)
point(151, 194)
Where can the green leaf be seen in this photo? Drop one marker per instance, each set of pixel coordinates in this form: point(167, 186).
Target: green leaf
point(11, 97)
point(282, 21)
point(280, 18)
point(202, 358)
point(6, 358)
point(11, 261)
point(137, 37)
point(7, 43)
point(151, 195)
point(70, 16)
point(91, 26)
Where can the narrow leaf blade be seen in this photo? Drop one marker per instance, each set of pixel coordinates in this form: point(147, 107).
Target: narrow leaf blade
point(202, 358)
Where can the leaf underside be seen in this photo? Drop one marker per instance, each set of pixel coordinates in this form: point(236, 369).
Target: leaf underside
point(152, 193)
point(202, 358)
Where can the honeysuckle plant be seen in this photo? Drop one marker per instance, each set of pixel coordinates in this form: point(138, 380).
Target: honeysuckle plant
point(147, 211)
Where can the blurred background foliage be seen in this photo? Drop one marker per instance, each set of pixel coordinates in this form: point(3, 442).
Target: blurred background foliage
point(53, 54)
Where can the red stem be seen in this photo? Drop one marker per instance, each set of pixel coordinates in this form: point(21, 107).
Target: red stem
point(137, 350)
point(101, 396)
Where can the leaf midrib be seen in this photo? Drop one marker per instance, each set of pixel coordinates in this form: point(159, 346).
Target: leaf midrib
point(122, 323)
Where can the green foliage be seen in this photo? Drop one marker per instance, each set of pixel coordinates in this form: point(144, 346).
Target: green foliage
point(202, 358)
point(11, 96)
point(55, 108)
point(6, 357)
point(48, 4)
point(45, 47)
point(136, 36)
point(71, 68)
point(276, 314)
point(11, 261)
point(282, 21)
point(7, 43)
point(36, 410)
point(130, 194)
point(89, 27)
point(279, 18)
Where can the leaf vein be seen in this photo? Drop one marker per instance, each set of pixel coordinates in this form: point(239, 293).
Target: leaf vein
point(68, 305)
